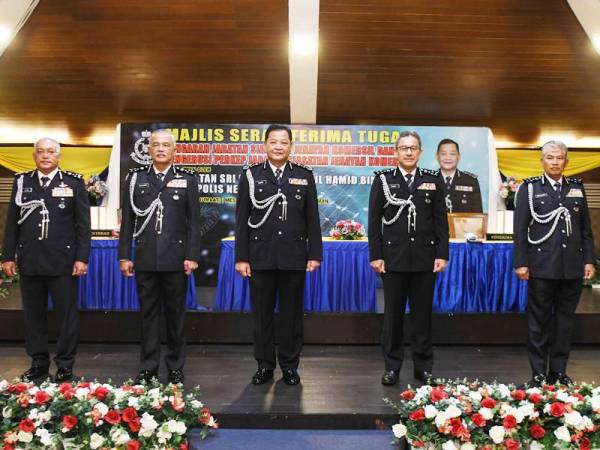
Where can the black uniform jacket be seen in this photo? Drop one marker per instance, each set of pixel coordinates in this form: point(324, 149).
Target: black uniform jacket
point(560, 256)
point(464, 192)
point(282, 242)
point(69, 232)
point(402, 248)
point(179, 238)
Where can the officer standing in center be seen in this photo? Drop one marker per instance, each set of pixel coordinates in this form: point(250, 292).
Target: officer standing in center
point(408, 245)
point(554, 250)
point(48, 231)
point(161, 215)
point(278, 240)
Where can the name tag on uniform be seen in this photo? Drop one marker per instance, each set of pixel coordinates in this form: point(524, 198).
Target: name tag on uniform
point(543, 194)
point(260, 182)
point(464, 188)
point(62, 192)
point(426, 187)
point(27, 190)
point(575, 193)
point(143, 185)
point(298, 181)
point(177, 183)
point(394, 186)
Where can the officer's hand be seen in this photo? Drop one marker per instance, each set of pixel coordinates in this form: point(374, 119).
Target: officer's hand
point(378, 265)
point(10, 268)
point(522, 273)
point(189, 266)
point(243, 268)
point(312, 265)
point(589, 271)
point(126, 267)
point(439, 265)
point(79, 268)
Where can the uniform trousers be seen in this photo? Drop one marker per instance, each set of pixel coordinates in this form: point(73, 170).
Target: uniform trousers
point(34, 293)
point(167, 291)
point(398, 287)
point(551, 306)
point(265, 285)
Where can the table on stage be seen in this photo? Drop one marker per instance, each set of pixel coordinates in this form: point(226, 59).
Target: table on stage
point(479, 279)
point(104, 288)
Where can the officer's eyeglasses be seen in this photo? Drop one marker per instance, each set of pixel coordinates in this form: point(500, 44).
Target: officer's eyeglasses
point(412, 148)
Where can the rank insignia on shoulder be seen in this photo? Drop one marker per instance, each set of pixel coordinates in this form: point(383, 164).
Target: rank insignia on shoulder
point(532, 179)
point(138, 169)
point(383, 171)
point(466, 172)
point(184, 170)
point(435, 173)
point(73, 174)
point(301, 165)
point(574, 180)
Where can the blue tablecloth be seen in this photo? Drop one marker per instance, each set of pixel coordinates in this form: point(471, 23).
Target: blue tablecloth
point(479, 279)
point(104, 288)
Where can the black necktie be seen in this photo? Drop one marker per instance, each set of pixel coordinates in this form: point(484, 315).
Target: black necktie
point(45, 182)
point(557, 188)
point(448, 182)
point(160, 176)
point(278, 173)
point(409, 179)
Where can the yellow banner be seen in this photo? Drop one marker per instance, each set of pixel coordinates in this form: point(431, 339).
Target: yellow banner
point(526, 163)
point(84, 160)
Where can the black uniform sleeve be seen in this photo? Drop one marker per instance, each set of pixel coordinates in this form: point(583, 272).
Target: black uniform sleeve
point(478, 206)
point(374, 225)
point(521, 221)
point(192, 251)
point(83, 227)
point(127, 223)
point(11, 230)
point(587, 237)
point(242, 213)
point(313, 223)
point(440, 222)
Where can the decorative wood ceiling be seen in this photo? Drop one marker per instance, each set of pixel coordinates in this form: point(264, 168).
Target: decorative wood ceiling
point(524, 68)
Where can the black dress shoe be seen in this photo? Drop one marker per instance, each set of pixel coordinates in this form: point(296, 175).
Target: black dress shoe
point(390, 377)
point(537, 380)
point(175, 376)
point(35, 373)
point(423, 376)
point(63, 374)
point(559, 377)
point(290, 377)
point(145, 376)
point(262, 376)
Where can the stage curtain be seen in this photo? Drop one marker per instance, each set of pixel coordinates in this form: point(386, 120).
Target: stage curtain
point(526, 163)
point(85, 160)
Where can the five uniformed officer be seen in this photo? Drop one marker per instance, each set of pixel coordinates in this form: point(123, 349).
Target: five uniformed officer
point(278, 239)
point(162, 216)
point(408, 245)
point(554, 250)
point(48, 231)
point(461, 188)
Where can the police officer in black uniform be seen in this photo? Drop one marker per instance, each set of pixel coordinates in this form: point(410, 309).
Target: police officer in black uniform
point(161, 215)
point(461, 188)
point(554, 250)
point(408, 245)
point(48, 231)
point(278, 239)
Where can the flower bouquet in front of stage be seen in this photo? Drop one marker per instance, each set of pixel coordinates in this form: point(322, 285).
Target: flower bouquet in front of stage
point(88, 415)
point(96, 189)
point(467, 416)
point(347, 230)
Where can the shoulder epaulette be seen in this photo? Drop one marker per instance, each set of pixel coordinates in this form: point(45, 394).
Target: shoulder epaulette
point(435, 173)
point(186, 170)
point(574, 180)
point(27, 172)
point(466, 172)
point(379, 172)
point(249, 166)
point(532, 179)
point(73, 174)
point(301, 165)
point(138, 169)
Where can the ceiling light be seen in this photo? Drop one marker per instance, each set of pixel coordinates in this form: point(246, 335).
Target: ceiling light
point(303, 44)
point(4, 34)
point(596, 42)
